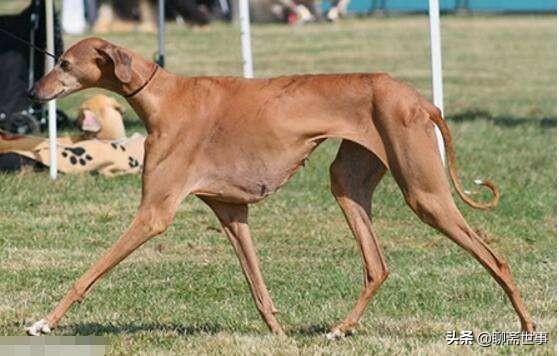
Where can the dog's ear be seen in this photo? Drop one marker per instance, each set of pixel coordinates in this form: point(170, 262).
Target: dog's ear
point(87, 122)
point(121, 61)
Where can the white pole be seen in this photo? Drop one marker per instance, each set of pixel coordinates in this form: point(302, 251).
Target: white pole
point(244, 18)
point(161, 33)
point(557, 147)
point(436, 66)
point(49, 64)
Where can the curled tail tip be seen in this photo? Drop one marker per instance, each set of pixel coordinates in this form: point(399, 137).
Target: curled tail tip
point(451, 159)
point(496, 194)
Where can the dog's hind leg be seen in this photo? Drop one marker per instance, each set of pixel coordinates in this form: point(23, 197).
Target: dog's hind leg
point(416, 165)
point(233, 218)
point(354, 175)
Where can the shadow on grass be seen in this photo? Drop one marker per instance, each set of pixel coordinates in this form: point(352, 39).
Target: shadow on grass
point(100, 329)
point(208, 328)
point(502, 120)
point(311, 330)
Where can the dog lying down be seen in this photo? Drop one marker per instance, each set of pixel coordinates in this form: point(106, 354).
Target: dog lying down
point(100, 117)
point(101, 148)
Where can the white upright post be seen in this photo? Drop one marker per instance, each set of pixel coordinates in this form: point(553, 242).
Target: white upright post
point(246, 50)
point(161, 33)
point(557, 147)
point(436, 66)
point(49, 64)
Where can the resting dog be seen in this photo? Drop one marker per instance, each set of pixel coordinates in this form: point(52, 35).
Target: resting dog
point(101, 148)
point(100, 117)
point(233, 141)
point(108, 158)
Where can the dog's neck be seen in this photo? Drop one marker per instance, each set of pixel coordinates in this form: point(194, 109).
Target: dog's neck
point(149, 100)
point(142, 72)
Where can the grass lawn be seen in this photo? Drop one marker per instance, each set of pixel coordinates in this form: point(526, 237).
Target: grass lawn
point(184, 292)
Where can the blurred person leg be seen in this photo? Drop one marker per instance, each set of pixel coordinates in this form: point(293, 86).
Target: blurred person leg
point(105, 17)
point(189, 11)
point(73, 16)
point(148, 16)
point(339, 9)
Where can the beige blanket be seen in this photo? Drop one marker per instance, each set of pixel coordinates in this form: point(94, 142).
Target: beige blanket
point(108, 158)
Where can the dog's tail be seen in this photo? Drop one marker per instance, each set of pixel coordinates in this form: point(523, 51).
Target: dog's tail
point(453, 169)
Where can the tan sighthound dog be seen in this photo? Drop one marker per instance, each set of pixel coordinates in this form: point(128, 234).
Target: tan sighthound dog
point(233, 141)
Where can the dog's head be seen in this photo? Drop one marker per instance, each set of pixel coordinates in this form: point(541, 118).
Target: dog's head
point(92, 62)
point(101, 117)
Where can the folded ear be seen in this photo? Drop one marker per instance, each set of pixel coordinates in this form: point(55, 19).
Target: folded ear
point(89, 122)
point(120, 60)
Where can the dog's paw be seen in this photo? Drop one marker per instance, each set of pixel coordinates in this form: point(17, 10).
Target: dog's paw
point(38, 328)
point(335, 334)
point(529, 327)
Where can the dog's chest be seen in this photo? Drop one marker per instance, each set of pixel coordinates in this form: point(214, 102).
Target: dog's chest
point(241, 176)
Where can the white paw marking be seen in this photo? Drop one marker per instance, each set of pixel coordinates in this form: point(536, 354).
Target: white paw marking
point(335, 334)
point(38, 328)
point(478, 181)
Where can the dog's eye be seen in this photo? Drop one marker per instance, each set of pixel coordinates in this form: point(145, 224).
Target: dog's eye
point(65, 65)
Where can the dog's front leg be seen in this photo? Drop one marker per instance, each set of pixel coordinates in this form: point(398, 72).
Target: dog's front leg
point(148, 223)
point(162, 191)
point(233, 218)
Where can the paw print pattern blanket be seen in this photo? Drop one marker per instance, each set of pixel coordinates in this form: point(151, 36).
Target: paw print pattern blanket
point(108, 158)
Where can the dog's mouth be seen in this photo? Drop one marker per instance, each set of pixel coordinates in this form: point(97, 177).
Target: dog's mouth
point(58, 95)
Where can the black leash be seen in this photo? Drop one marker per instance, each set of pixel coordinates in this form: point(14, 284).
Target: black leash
point(16, 37)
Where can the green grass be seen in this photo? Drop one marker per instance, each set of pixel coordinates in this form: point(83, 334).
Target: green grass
point(184, 292)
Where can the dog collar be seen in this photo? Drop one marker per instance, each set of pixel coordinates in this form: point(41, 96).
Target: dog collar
point(143, 85)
